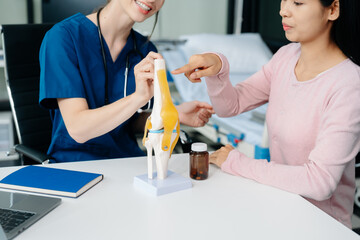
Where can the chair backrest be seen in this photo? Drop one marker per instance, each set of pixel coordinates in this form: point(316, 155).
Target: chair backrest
point(21, 44)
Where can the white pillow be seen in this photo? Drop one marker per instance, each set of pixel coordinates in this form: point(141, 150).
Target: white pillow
point(245, 52)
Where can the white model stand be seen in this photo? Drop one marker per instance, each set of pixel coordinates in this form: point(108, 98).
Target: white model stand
point(174, 182)
point(161, 134)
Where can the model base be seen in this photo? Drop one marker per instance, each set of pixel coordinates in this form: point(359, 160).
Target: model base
point(173, 183)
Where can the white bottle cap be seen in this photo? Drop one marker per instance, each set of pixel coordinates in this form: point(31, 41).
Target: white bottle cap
point(198, 147)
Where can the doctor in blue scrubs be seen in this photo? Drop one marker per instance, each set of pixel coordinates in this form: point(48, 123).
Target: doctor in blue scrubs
point(96, 72)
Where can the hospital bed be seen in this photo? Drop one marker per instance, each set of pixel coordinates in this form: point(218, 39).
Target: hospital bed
point(246, 53)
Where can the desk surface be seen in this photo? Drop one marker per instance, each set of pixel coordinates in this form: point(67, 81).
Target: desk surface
point(222, 207)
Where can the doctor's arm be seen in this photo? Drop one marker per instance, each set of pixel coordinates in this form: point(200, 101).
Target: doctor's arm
point(84, 124)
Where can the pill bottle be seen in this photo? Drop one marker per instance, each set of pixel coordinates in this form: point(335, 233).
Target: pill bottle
point(199, 161)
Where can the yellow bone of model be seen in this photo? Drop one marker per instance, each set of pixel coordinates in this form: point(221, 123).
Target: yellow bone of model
point(169, 114)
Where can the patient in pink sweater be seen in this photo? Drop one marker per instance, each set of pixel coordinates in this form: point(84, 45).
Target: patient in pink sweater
point(313, 117)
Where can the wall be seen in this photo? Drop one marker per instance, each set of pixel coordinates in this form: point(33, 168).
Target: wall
point(11, 11)
point(270, 26)
point(177, 17)
point(263, 16)
point(37, 11)
point(189, 17)
point(238, 16)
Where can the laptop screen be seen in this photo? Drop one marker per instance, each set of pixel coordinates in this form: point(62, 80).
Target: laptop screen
point(22, 209)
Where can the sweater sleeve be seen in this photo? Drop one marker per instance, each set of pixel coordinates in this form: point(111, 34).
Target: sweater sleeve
point(337, 144)
point(229, 100)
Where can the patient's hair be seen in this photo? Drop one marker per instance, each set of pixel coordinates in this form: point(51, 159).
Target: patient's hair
point(346, 29)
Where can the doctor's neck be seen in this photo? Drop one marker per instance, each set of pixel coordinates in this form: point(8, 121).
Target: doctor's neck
point(115, 22)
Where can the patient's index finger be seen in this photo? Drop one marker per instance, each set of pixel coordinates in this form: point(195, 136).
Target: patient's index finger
point(183, 69)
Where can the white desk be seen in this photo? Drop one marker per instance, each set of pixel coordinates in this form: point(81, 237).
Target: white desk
point(222, 207)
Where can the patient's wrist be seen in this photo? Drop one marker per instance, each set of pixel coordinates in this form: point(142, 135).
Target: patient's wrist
point(224, 64)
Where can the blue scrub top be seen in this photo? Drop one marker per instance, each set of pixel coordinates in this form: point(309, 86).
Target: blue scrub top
point(72, 67)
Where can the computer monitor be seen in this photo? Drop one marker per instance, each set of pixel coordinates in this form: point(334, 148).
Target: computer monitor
point(56, 10)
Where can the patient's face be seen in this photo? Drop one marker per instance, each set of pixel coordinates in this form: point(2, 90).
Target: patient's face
point(305, 20)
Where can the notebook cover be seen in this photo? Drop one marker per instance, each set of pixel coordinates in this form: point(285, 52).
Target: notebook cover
point(51, 180)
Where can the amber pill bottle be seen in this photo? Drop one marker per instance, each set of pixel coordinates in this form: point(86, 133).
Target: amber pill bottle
point(199, 161)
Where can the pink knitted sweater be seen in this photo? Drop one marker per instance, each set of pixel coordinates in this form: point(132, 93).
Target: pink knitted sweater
point(313, 126)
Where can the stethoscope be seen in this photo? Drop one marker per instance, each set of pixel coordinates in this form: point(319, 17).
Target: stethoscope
point(135, 50)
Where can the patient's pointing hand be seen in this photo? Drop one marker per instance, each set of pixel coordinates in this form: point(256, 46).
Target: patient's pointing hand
point(201, 65)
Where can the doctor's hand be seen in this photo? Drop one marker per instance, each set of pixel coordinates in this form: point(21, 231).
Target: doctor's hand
point(220, 156)
point(194, 113)
point(201, 65)
point(144, 77)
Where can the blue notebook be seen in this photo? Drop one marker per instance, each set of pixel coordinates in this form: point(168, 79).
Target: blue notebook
point(53, 181)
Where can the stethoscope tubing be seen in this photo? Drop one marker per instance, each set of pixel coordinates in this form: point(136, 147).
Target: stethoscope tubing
point(103, 57)
point(127, 62)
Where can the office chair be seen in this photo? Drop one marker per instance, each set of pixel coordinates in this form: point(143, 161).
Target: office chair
point(21, 44)
point(357, 193)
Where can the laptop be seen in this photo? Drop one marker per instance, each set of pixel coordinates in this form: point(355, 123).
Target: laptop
point(18, 211)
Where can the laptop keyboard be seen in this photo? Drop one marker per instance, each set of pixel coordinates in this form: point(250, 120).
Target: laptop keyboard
point(9, 219)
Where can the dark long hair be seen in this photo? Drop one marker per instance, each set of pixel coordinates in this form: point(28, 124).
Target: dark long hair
point(346, 29)
point(155, 22)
